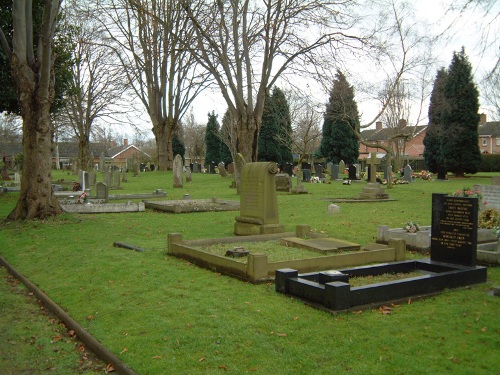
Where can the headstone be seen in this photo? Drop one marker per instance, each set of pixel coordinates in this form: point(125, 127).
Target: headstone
point(288, 169)
point(334, 174)
point(116, 179)
point(372, 163)
point(358, 171)
point(283, 182)
point(124, 175)
point(318, 170)
point(102, 191)
point(188, 175)
point(211, 167)
point(239, 161)
point(299, 188)
point(352, 172)
point(230, 168)
point(490, 194)
point(92, 178)
point(222, 169)
point(177, 169)
point(333, 209)
point(83, 179)
point(306, 175)
point(387, 172)
point(454, 229)
point(258, 200)
point(341, 167)
point(107, 178)
point(196, 168)
point(136, 167)
point(17, 178)
point(407, 173)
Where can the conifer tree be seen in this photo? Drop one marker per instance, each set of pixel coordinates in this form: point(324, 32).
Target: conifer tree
point(284, 121)
point(268, 142)
point(459, 151)
point(212, 140)
point(178, 146)
point(341, 118)
point(433, 136)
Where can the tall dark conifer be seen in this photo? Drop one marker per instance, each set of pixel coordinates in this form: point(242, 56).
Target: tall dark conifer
point(284, 121)
point(268, 143)
point(460, 119)
point(433, 136)
point(212, 140)
point(341, 118)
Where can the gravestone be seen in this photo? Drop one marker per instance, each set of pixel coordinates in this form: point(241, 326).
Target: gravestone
point(136, 167)
point(222, 169)
point(211, 167)
point(102, 191)
point(341, 167)
point(454, 230)
point(407, 173)
point(239, 161)
point(92, 178)
point(258, 200)
point(188, 175)
point(299, 188)
point(283, 182)
point(352, 172)
point(83, 180)
point(17, 178)
point(491, 195)
point(372, 167)
point(334, 174)
point(124, 175)
point(306, 175)
point(196, 168)
point(177, 169)
point(116, 179)
point(107, 178)
point(387, 172)
point(318, 170)
point(230, 168)
point(288, 169)
point(358, 171)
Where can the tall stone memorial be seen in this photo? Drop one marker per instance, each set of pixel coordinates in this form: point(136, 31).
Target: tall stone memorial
point(258, 200)
point(177, 169)
point(454, 230)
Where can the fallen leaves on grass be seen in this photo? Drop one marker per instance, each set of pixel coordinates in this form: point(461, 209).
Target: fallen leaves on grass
point(109, 368)
point(385, 310)
point(124, 350)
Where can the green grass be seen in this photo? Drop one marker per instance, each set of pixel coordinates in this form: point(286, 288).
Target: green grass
point(160, 314)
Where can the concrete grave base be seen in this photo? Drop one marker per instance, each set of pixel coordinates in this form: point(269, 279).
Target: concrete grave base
point(318, 289)
point(193, 205)
point(247, 229)
point(103, 208)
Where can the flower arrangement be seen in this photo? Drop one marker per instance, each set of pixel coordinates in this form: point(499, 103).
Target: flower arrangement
point(83, 198)
point(489, 219)
point(411, 227)
point(467, 192)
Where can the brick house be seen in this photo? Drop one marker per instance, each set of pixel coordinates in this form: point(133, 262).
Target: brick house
point(489, 136)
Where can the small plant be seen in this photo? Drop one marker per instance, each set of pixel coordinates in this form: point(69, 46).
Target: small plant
point(83, 198)
point(411, 227)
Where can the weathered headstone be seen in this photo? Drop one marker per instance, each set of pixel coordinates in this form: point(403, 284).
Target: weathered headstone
point(116, 179)
point(83, 180)
point(124, 175)
point(283, 182)
point(306, 175)
point(136, 167)
point(358, 171)
point(334, 174)
point(222, 169)
point(230, 168)
point(196, 168)
point(407, 173)
point(92, 178)
point(341, 167)
point(372, 163)
point(102, 191)
point(299, 188)
point(318, 170)
point(177, 169)
point(107, 179)
point(17, 178)
point(454, 230)
point(188, 175)
point(258, 200)
point(490, 194)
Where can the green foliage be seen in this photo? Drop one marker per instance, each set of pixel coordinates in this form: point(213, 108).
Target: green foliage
point(339, 141)
point(178, 146)
point(275, 142)
point(63, 47)
point(490, 163)
point(433, 136)
point(212, 140)
point(459, 145)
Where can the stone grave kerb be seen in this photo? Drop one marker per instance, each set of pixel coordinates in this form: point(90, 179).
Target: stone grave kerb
point(372, 163)
point(258, 200)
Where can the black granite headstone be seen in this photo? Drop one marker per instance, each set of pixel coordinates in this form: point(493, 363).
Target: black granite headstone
point(454, 230)
point(352, 172)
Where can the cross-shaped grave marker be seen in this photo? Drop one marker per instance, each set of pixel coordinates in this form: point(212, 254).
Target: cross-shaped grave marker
point(373, 162)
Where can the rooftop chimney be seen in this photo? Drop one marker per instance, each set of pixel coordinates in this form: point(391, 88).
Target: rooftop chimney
point(378, 125)
point(402, 123)
point(482, 118)
point(125, 142)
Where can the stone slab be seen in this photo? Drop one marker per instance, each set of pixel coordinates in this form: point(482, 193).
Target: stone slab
point(104, 208)
point(323, 245)
point(193, 205)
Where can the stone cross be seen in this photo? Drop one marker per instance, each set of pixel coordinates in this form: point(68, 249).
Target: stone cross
point(373, 162)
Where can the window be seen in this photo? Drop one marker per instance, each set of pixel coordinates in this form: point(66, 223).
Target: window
point(498, 141)
point(485, 142)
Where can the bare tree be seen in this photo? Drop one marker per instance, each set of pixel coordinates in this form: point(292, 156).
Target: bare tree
point(247, 45)
point(32, 64)
point(150, 38)
point(97, 84)
point(194, 138)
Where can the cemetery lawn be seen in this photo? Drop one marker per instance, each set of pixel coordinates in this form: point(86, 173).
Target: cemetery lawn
point(160, 314)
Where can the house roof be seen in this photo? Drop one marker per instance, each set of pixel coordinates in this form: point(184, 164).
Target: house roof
point(385, 134)
point(491, 128)
point(115, 151)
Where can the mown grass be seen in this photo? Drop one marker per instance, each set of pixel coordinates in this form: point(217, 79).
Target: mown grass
point(161, 314)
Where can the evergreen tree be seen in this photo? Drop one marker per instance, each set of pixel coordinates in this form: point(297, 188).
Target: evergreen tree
point(269, 149)
point(459, 150)
point(284, 121)
point(341, 118)
point(178, 146)
point(433, 136)
point(212, 140)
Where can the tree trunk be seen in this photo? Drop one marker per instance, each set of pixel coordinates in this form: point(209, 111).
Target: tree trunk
point(163, 135)
point(35, 200)
point(84, 153)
